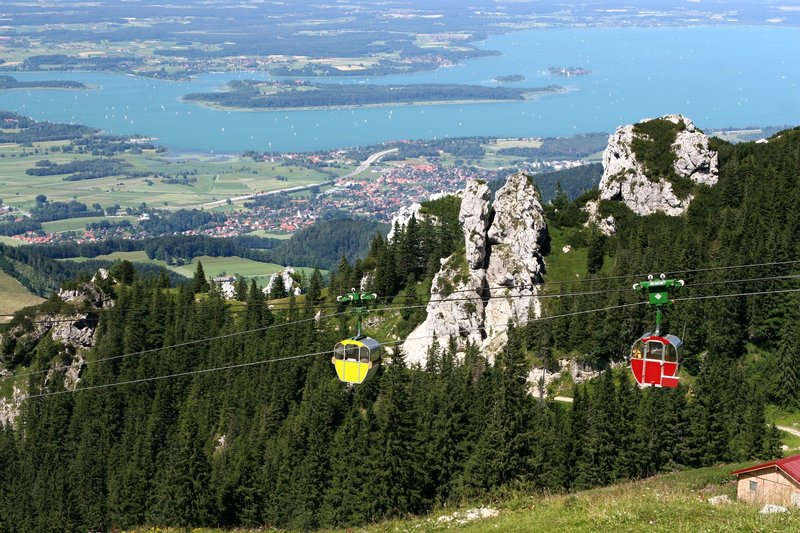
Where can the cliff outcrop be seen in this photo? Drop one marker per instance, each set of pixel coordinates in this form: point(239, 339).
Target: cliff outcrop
point(492, 280)
point(653, 166)
point(72, 327)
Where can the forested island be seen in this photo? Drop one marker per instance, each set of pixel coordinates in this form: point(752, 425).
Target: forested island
point(9, 82)
point(568, 72)
point(251, 94)
point(510, 78)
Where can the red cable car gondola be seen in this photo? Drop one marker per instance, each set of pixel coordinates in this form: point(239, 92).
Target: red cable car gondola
point(656, 358)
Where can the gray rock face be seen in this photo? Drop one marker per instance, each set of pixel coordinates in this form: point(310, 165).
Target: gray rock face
point(449, 314)
point(9, 409)
point(74, 333)
point(75, 330)
point(402, 217)
point(286, 279)
point(474, 219)
point(505, 257)
point(624, 177)
point(515, 264)
point(404, 214)
point(607, 225)
point(88, 294)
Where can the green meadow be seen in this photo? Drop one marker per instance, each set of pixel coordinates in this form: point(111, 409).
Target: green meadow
point(675, 502)
point(13, 296)
point(212, 266)
point(78, 224)
point(217, 178)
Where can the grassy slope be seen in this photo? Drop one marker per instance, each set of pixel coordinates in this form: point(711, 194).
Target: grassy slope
point(673, 502)
point(13, 296)
point(670, 503)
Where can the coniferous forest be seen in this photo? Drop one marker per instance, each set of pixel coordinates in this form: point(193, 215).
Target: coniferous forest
point(252, 427)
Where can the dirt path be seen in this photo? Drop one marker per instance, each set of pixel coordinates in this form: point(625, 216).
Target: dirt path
point(787, 429)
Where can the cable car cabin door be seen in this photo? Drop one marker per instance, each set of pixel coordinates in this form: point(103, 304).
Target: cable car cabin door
point(654, 362)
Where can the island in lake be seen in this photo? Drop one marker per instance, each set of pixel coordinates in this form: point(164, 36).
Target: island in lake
point(9, 82)
point(274, 95)
point(510, 78)
point(568, 72)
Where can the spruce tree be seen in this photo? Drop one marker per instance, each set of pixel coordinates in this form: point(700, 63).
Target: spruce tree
point(502, 451)
point(199, 282)
point(315, 287)
point(396, 473)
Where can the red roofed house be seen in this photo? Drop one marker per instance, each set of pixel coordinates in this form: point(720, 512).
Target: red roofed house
point(776, 482)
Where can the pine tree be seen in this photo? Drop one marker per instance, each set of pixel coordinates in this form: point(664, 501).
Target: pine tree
point(789, 357)
point(503, 449)
point(596, 245)
point(277, 289)
point(396, 473)
point(8, 479)
point(200, 283)
point(240, 289)
point(315, 286)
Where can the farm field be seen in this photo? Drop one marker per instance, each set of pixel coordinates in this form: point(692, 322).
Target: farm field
point(267, 234)
point(10, 241)
point(13, 296)
point(212, 266)
point(209, 178)
point(77, 224)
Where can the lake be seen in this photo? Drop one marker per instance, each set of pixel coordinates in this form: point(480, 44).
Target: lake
point(718, 76)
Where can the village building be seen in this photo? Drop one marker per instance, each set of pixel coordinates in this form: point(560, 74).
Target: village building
point(775, 482)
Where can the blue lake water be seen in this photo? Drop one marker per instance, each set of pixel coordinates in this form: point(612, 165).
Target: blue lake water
point(718, 76)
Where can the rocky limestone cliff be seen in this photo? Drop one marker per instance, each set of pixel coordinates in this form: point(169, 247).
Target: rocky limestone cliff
point(404, 214)
point(515, 264)
point(501, 258)
point(72, 330)
point(625, 176)
point(474, 220)
point(287, 280)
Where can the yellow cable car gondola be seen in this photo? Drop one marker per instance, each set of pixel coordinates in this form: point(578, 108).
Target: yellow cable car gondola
point(357, 359)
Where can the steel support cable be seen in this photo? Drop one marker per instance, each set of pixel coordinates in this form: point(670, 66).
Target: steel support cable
point(393, 343)
point(555, 282)
point(190, 343)
point(299, 356)
point(389, 306)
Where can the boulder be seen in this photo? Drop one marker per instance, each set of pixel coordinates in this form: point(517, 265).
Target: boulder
point(76, 330)
point(718, 500)
point(606, 225)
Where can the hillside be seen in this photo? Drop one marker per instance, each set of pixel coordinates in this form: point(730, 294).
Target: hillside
point(193, 412)
point(671, 502)
point(14, 296)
